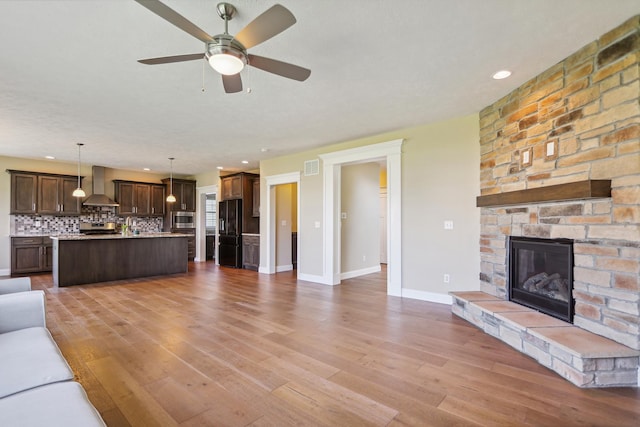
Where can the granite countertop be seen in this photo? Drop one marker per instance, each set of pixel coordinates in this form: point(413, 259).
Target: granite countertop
point(251, 234)
point(146, 235)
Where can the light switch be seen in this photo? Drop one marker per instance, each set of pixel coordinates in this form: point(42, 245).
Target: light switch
point(551, 148)
point(316, 224)
point(284, 223)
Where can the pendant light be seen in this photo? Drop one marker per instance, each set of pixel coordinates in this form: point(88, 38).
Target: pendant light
point(79, 192)
point(171, 198)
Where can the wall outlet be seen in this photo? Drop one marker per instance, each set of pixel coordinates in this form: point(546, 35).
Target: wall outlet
point(448, 225)
point(343, 215)
point(446, 278)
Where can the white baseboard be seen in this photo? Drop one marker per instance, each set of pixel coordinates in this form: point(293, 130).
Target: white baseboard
point(313, 278)
point(5, 272)
point(361, 272)
point(427, 296)
point(264, 270)
point(281, 268)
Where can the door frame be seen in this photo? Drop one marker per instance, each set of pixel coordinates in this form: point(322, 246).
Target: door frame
point(391, 152)
point(268, 262)
point(201, 226)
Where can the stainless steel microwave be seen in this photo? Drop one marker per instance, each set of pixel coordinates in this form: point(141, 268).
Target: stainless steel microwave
point(182, 219)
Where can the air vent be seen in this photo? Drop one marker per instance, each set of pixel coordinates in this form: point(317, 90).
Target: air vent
point(311, 167)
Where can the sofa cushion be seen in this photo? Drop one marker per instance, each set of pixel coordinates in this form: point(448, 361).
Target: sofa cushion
point(15, 284)
point(61, 404)
point(22, 310)
point(30, 358)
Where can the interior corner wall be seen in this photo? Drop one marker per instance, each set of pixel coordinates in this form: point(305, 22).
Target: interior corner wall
point(440, 181)
point(360, 226)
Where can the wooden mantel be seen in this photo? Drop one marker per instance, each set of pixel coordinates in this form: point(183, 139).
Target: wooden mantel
point(580, 190)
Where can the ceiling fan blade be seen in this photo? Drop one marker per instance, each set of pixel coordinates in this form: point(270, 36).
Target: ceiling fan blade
point(170, 59)
point(273, 21)
point(280, 68)
point(232, 84)
point(176, 19)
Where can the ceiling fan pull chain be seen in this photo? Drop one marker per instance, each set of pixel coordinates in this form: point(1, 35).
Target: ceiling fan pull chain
point(248, 80)
point(203, 76)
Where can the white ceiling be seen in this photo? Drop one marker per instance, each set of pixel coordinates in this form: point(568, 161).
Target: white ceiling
point(68, 73)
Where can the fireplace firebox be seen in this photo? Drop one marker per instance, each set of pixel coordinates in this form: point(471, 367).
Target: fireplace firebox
point(541, 275)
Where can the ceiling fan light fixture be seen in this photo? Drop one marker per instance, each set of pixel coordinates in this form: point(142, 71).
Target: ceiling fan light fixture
point(226, 60)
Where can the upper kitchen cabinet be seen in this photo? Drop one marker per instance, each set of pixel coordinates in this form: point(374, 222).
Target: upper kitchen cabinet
point(185, 192)
point(157, 199)
point(55, 195)
point(139, 198)
point(24, 193)
point(255, 206)
point(231, 187)
point(39, 193)
point(238, 186)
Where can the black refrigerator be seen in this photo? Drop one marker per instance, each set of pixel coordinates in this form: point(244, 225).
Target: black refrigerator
point(230, 233)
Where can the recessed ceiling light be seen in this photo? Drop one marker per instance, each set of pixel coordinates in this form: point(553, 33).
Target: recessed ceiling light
point(502, 74)
point(146, 169)
point(49, 157)
point(245, 162)
point(219, 168)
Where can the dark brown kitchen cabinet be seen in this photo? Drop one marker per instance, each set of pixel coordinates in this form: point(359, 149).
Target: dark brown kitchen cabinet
point(139, 198)
point(250, 252)
point(31, 255)
point(231, 187)
point(157, 200)
point(255, 206)
point(241, 186)
point(24, 193)
point(211, 247)
point(41, 193)
point(55, 195)
point(185, 193)
point(191, 248)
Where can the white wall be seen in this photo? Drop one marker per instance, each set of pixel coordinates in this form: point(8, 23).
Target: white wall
point(440, 180)
point(360, 230)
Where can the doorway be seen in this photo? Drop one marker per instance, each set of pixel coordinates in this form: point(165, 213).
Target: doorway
point(209, 191)
point(287, 225)
point(269, 246)
point(359, 219)
point(390, 152)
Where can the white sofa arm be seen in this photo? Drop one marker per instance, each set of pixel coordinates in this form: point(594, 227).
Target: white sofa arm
point(22, 310)
point(15, 284)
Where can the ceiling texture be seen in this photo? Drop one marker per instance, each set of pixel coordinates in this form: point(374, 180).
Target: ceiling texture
point(69, 74)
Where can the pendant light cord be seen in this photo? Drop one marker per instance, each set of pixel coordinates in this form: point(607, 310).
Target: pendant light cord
point(79, 146)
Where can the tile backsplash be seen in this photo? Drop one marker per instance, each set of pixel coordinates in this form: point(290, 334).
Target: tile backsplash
point(53, 225)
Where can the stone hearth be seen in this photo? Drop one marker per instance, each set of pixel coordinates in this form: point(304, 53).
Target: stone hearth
point(582, 357)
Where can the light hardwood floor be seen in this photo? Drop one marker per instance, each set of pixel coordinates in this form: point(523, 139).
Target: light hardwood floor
point(225, 347)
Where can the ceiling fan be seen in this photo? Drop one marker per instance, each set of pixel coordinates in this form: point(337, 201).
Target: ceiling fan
point(227, 54)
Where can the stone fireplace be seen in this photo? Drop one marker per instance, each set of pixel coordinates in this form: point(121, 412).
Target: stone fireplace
point(560, 159)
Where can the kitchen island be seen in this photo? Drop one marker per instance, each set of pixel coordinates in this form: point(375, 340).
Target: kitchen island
point(81, 259)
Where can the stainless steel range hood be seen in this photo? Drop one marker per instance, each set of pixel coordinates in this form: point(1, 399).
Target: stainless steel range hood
point(98, 198)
